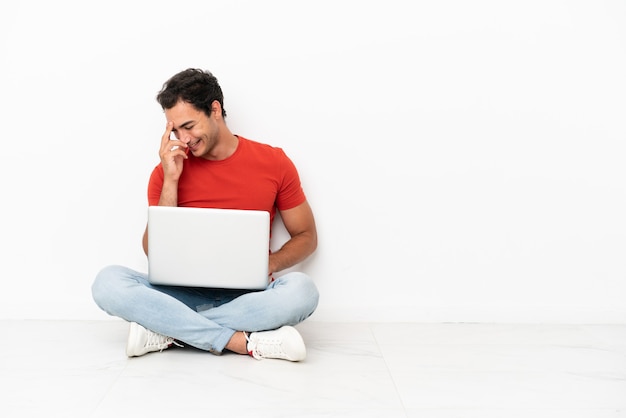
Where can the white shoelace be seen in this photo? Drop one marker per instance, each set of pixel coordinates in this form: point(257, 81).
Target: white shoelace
point(267, 348)
point(160, 342)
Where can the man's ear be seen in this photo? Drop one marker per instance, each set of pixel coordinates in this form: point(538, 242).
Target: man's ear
point(216, 108)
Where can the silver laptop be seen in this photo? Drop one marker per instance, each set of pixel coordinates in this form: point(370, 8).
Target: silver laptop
point(200, 247)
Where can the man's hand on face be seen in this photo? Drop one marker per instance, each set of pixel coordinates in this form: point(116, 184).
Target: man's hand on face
point(172, 153)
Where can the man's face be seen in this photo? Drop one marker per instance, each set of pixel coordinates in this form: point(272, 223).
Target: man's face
point(193, 127)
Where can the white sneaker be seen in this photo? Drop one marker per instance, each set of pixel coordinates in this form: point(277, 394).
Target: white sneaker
point(284, 343)
point(142, 341)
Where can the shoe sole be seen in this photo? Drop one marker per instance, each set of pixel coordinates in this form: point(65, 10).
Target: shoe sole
point(133, 335)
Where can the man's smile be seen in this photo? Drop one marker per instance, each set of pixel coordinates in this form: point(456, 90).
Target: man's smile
point(194, 143)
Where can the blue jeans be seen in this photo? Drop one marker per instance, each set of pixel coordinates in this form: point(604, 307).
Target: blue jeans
point(201, 317)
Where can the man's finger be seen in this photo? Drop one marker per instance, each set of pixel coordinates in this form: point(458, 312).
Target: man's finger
point(168, 133)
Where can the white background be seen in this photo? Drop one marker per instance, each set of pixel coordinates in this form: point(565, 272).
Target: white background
point(464, 159)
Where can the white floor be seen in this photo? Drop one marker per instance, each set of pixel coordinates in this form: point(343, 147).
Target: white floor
point(79, 369)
